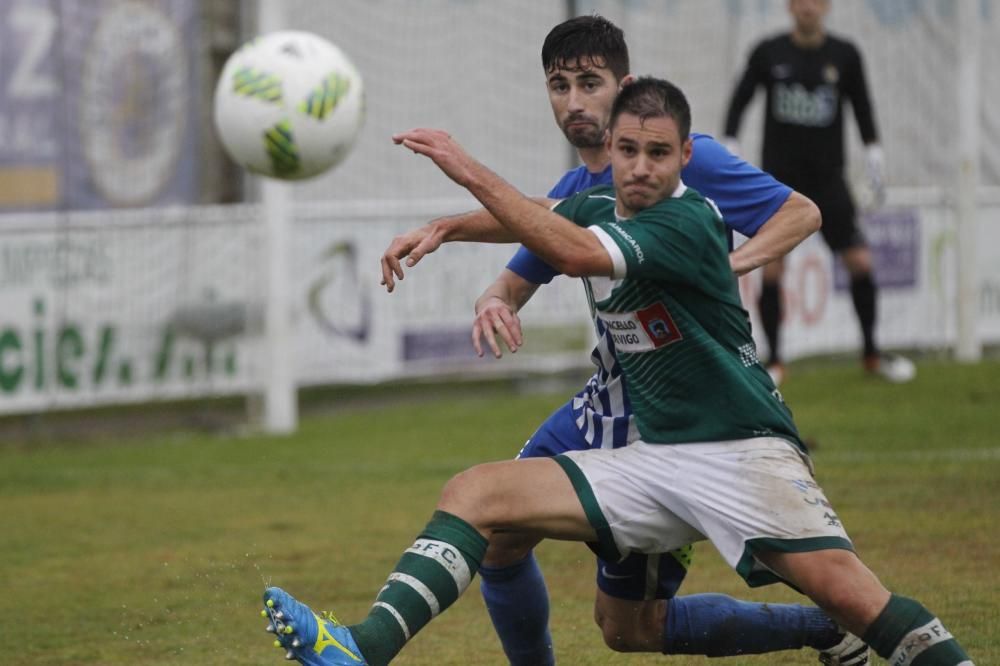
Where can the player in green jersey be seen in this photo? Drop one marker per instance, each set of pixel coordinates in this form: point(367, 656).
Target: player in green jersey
point(656, 264)
point(673, 309)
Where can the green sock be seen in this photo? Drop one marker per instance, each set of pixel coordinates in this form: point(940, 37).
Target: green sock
point(906, 634)
point(430, 576)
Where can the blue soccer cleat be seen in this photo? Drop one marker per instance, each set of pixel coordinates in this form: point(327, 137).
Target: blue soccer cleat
point(310, 638)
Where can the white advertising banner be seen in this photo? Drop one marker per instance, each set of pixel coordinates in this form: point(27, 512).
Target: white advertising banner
point(349, 329)
point(131, 306)
point(915, 259)
point(124, 306)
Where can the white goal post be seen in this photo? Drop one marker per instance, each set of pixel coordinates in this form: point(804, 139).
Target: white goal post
point(968, 344)
point(280, 408)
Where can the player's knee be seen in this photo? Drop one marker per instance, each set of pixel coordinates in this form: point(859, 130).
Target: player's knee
point(609, 630)
point(857, 260)
point(617, 635)
point(508, 548)
point(839, 582)
point(630, 626)
point(856, 602)
point(463, 496)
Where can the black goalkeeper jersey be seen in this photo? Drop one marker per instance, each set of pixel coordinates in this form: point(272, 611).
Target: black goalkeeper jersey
point(806, 91)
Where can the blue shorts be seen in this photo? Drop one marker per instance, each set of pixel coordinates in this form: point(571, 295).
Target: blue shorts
point(638, 576)
point(558, 434)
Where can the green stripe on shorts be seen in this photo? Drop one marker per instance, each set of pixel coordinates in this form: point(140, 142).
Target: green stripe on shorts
point(606, 548)
point(761, 576)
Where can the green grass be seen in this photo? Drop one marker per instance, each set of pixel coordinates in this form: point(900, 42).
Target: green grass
point(154, 550)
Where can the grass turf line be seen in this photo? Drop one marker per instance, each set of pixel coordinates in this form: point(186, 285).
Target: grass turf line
point(154, 550)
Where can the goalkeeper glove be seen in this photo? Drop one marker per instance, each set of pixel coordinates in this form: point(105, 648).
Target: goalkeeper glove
point(875, 168)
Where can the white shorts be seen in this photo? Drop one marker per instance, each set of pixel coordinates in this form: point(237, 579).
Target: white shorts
point(745, 496)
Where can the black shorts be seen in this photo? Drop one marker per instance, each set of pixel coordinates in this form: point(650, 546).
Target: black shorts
point(840, 228)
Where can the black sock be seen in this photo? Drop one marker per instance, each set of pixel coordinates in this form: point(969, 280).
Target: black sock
point(863, 294)
point(769, 305)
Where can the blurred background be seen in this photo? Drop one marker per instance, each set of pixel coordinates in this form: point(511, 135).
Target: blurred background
point(133, 253)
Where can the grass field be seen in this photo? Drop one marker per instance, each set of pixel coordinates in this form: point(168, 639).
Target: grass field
point(155, 549)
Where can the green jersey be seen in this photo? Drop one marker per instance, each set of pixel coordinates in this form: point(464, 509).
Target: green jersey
point(679, 330)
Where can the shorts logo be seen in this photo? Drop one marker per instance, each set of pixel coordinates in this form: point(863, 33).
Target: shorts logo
point(644, 330)
point(611, 576)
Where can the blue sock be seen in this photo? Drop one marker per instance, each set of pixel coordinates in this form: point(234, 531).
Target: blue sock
point(518, 603)
point(715, 625)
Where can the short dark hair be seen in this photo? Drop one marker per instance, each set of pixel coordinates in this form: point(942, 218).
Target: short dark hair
point(649, 97)
point(586, 38)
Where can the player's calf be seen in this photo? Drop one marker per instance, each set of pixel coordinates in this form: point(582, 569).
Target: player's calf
point(898, 629)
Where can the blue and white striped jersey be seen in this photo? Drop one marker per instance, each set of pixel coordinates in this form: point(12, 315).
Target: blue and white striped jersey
point(747, 197)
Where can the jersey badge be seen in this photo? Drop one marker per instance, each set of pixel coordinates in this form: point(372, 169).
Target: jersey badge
point(644, 330)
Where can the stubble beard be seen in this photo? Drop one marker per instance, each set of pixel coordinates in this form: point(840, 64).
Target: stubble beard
point(586, 139)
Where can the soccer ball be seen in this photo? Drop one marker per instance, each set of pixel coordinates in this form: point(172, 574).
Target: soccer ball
point(289, 105)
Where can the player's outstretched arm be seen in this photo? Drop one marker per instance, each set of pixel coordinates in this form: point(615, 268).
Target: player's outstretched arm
point(410, 247)
point(791, 224)
point(496, 313)
point(567, 248)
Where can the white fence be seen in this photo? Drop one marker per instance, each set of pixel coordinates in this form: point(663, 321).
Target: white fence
point(143, 305)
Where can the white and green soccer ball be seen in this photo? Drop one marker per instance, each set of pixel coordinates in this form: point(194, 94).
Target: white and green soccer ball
point(289, 105)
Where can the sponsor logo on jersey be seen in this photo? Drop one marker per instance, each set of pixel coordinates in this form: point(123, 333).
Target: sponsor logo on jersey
point(639, 256)
point(644, 330)
point(796, 105)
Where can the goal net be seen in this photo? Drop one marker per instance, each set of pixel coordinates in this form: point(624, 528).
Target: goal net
point(473, 68)
point(106, 106)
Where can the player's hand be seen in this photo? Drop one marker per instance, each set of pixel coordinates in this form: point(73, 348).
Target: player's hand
point(875, 169)
point(446, 153)
point(408, 248)
point(495, 317)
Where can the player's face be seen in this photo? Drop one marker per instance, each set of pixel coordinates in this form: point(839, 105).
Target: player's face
point(581, 96)
point(808, 15)
point(646, 161)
